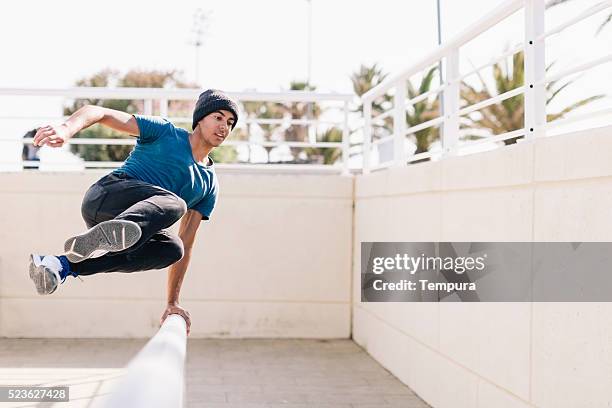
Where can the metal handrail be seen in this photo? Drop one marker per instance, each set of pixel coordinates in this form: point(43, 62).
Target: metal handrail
point(491, 101)
point(425, 95)
point(164, 95)
point(534, 89)
point(480, 26)
point(383, 115)
point(424, 125)
point(131, 142)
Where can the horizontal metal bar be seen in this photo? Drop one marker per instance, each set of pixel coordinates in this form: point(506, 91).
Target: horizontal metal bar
point(81, 141)
point(175, 119)
point(271, 167)
point(424, 125)
point(496, 138)
point(495, 60)
point(86, 164)
point(383, 115)
point(282, 143)
point(172, 94)
point(101, 164)
point(127, 142)
point(491, 101)
point(425, 95)
point(587, 13)
point(291, 121)
point(483, 24)
point(578, 68)
point(382, 140)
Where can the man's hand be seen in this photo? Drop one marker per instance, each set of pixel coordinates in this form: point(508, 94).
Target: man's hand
point(54, 136)
point(176, 309)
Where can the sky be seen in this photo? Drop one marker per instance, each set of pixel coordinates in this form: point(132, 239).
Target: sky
point(247, 45)
point(263, 45)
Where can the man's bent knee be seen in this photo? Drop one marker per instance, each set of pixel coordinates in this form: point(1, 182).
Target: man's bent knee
point(177, 209)
point(173, 251)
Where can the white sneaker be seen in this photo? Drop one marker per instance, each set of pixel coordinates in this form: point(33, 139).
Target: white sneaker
point(107, 236)
point(45, 273)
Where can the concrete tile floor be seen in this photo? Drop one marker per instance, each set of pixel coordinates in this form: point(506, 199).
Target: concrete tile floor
point(254, 373)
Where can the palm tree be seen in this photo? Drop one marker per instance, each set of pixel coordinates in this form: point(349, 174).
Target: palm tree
point(422, 112)
point(133, 78)
point(326, 155)
point(508, 115)
point(368, 77)
point(299, 110)
point(288, 110)
point(260, 110)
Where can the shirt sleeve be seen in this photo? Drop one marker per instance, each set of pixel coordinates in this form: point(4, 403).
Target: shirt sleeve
point(206, 205)
point(151, 127)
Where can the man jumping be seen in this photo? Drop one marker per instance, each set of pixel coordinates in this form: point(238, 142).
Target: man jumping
point(168, 176)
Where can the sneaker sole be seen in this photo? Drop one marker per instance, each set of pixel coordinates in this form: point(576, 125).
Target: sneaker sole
point(43, 278)
point(107, 236)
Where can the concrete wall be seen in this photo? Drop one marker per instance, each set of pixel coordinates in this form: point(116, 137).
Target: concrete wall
point(273, 262)
point(502, 355)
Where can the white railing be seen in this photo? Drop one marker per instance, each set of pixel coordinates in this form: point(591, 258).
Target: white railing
point(337, 111)
point(155, 377)
point(447, 56)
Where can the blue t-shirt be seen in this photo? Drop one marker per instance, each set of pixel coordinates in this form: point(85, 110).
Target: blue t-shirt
point(163, 157)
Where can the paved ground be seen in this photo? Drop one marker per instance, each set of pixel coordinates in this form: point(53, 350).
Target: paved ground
point(220, 373)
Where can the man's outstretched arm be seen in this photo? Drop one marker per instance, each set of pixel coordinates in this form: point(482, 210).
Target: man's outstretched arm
point(187, 232)
point(56, 136)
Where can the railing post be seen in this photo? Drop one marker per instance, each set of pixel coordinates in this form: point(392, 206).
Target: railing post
point(367, 135)
point(346, 143)
point(148, 107)
point(163, 108)
point(450, 131)
point(399, 124)
point(535, 71)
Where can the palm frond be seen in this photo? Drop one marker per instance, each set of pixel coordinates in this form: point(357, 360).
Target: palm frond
point(556, 91)
point(553, 3)
point(579, 104)
point(605, 22)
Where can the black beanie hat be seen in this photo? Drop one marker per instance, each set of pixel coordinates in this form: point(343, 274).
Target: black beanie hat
point(210, 101)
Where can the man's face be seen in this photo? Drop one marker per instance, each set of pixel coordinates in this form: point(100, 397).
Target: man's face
point(215, 127)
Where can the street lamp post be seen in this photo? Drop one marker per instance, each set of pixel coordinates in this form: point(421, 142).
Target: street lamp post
point(441, 94)
point(198, 30)
point(309, 61)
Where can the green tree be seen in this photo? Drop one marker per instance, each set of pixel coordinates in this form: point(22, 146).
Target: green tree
point(422, 112)
point(364, 79)
point(285, 110)
point(508, 115)
point(326, 155)
point(133, 78)
point(367, 77)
